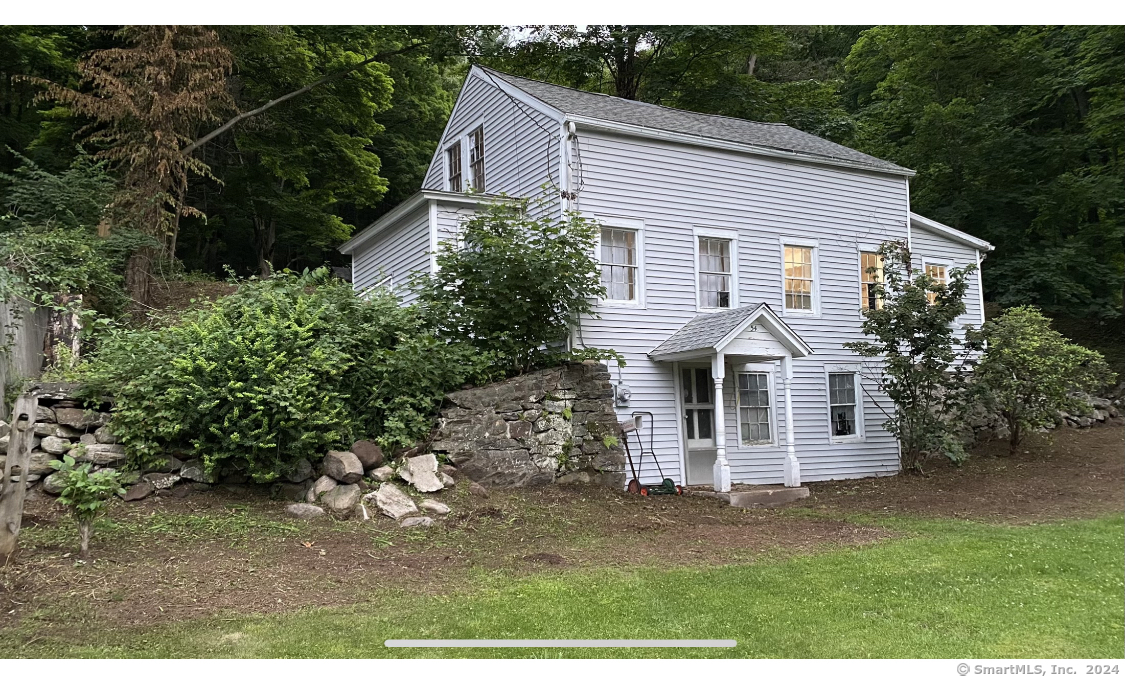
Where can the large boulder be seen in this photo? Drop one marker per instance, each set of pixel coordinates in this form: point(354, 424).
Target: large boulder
point(139, 491)
point(290, 491)
point(393, 502)
point(164, 464)
point(382, 473)
point(434, 506)
point(104, 436)
point(301, 472)
point(370, 455)
point(161, 480)
point(40, 464)
point(55, 445)
point(44, 414)
point(80, 418)
point(191, 470)
point(53, 484)
point(342, 466)
point(103, 455)
point(423, 472)
point(342, 498)
point(322, 486)
point(304, 511)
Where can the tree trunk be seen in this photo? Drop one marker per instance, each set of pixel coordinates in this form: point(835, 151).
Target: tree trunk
point(62, 330)
point(265, 236)
point(138, 275)
point(84, 527)
point(1015, 435)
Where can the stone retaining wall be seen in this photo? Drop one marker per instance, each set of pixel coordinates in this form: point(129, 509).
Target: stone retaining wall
point(552, 426)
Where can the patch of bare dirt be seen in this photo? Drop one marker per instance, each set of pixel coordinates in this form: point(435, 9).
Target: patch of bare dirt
point(1075, 473)
point(168, 559)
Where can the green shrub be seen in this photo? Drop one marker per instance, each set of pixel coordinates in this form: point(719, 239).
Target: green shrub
point(514, 284)
point(920, 361)
point(86, 494)
point(1030, 371)
point(282, 369)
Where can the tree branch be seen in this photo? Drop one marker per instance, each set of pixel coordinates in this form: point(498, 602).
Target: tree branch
point(189, 149)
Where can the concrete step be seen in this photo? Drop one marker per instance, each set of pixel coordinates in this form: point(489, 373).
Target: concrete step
point(764, 496)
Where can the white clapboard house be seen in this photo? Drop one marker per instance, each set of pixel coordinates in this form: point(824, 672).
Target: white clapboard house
point(734, 254)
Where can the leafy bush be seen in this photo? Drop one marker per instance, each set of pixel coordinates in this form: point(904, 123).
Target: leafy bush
point(280, 370)
point(86, 494)
point(49, 246)
point(921, 360)
point(513, 284)
point(1030, 371)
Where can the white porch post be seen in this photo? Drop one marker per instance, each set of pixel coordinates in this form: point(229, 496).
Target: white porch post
point(791, 472)
point(722, 466)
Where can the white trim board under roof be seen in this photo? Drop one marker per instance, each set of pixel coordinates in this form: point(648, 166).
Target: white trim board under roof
point(599, 111)
point(949, 232)
point(410, 205)
point(711, 332)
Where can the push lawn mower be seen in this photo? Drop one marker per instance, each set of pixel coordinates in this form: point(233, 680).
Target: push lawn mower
point(634, 425)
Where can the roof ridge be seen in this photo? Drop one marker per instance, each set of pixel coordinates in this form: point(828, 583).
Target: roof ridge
point(637, 101)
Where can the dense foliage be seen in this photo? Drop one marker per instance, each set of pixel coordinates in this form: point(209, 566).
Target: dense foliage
point(1016, 134)
point(514, 283)
point(85, 493)
point(282, 369)
point(1030, 371)
point(49, 248)
point(1015, 131)
point(919, 354)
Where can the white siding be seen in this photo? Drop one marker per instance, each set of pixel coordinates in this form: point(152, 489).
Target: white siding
point(395, 253)
point(675, 188)
point(932, 247)
point(521, 145)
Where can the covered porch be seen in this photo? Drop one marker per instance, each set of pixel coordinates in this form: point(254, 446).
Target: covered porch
point(705, 346)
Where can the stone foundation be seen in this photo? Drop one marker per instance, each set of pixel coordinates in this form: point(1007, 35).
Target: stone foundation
point(552, 426)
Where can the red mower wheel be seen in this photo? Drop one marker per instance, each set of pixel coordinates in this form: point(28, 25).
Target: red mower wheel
point(644, 491)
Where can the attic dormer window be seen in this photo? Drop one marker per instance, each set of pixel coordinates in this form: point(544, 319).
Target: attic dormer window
point(453, 167)
point(476, 159)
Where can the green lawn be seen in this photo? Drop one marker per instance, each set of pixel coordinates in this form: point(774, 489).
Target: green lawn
point(950, 589)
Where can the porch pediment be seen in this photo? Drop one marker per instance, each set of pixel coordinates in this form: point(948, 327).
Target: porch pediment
point(752, 331)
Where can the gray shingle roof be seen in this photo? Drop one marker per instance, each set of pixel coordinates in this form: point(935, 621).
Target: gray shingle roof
point(704, 331)
point(776, 136)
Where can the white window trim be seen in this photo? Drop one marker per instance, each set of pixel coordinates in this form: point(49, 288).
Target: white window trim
point(714, 233)
point(799, 242)
point(860, 431)
point(463, 140)
point(859, 251)
point(948, 265)
point(769, 369)
point(638, 226)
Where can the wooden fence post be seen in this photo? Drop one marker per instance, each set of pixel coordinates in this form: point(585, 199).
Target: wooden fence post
point(19, 456)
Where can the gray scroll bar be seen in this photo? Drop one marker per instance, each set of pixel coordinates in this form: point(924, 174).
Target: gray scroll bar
point(560, 643)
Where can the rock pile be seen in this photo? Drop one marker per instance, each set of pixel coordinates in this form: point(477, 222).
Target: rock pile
point(64, 425)
point(1095, 411)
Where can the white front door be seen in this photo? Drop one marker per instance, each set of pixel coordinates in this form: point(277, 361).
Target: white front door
point(698, 390)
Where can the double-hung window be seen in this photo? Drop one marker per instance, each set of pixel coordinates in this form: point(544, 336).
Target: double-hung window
point(871, 273)
point(453, 167)
point(619, 264)
point(754, 408)
point(715, 280)
point(843, 406)
point(799, 278)
point(937, 273)
point(476, 159)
